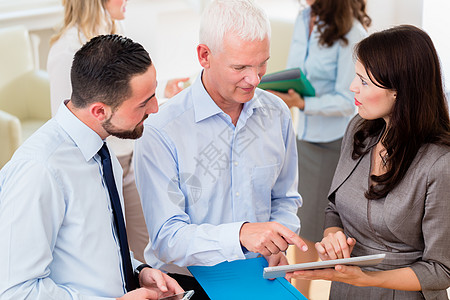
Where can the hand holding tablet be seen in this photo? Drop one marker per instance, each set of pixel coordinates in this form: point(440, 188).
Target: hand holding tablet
point(183, 296)
point(361, 261)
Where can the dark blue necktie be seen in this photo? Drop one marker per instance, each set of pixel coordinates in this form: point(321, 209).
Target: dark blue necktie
point(108, 175)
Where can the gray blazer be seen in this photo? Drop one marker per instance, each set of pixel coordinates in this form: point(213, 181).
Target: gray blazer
point(417, 211)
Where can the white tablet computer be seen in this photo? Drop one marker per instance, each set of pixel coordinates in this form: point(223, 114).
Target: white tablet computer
point(362, 261)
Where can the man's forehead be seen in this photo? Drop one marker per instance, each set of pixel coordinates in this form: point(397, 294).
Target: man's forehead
point(235, 47)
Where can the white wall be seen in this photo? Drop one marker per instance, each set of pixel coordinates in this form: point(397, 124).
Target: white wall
point(169, 31)
point(387, 13)
point(436, 22)
point(174, 54)
point(169, 28)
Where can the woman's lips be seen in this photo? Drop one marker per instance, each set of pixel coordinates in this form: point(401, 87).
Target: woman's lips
point(357, 103)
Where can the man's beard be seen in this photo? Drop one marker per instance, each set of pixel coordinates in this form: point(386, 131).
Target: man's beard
point(124, 134)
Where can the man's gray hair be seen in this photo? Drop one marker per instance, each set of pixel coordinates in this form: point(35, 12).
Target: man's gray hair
point(241, 17)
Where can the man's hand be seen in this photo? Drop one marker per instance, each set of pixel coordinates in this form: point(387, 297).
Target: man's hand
point(277, 260)
point(173, 87)
point(140, 294)
point(335, 245)
point(159, 282)
point(291, 98)
point(269, 238)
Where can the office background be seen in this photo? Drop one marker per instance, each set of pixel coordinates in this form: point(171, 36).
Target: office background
point(168, 29)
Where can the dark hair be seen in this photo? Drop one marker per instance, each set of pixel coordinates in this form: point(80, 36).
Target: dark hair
point(335, 18)
point(403, 59)
point(102, 70)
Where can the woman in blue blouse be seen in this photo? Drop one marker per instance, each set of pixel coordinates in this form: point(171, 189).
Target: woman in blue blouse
point(324, 35)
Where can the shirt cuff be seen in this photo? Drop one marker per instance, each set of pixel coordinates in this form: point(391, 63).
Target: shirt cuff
point(311, 105)
point(134, 262)
point(230, 242)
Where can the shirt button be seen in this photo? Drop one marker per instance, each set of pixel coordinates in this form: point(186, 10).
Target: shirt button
point(236, 163)
point(237, 194)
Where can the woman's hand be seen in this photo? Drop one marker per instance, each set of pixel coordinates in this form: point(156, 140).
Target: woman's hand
point(348, 274)
point(173, 87)
point(291, 98)
point(335, 245)
point(404, 279)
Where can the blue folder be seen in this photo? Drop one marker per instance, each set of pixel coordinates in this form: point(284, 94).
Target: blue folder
point(242, 279)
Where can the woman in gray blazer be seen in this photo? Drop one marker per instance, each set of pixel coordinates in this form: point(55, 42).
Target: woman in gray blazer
point(391, 189)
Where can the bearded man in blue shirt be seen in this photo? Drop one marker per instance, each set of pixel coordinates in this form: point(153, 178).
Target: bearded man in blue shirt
point(61, 206)
point(216, 168)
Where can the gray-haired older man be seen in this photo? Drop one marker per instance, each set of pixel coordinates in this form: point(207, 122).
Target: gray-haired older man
point(216, 168)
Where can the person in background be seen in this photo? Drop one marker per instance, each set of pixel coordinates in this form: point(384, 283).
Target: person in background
point(84, 20)
point(323, 39)
point(216, 168)
point(390, 192)
point(61, 205)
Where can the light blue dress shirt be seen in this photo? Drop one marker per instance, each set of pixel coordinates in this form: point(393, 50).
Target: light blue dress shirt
point(57, 234)
point(200, 177)
point(331, 71)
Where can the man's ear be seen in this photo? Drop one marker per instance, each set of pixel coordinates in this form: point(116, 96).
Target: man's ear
point(100, 111)
point(204, 55)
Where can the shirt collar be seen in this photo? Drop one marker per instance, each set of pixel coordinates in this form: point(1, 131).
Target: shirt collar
point(86, 139)
point(205, 107)
point(253, 104)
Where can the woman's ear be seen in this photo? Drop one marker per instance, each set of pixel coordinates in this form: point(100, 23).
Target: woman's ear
point(393, 94)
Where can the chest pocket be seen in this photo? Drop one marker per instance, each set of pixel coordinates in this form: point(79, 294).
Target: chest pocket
point(263, 179)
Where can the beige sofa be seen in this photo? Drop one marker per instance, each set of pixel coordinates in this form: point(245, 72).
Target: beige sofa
point(24, 91)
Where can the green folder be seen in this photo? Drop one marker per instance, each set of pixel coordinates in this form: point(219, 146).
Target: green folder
point(243, 279)
point(284, 80)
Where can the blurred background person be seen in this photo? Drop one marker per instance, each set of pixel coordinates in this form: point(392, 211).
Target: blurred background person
point(390, 192)
point(84, 20)
point(324, 35)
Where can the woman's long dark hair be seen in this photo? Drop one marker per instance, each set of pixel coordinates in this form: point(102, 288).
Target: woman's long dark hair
point(335, 18)
point(403, 59)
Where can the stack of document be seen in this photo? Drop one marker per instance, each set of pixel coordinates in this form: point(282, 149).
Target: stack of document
point(288, 79)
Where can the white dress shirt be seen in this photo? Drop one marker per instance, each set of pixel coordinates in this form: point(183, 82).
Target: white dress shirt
point(200, 177)
point(57, 231)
